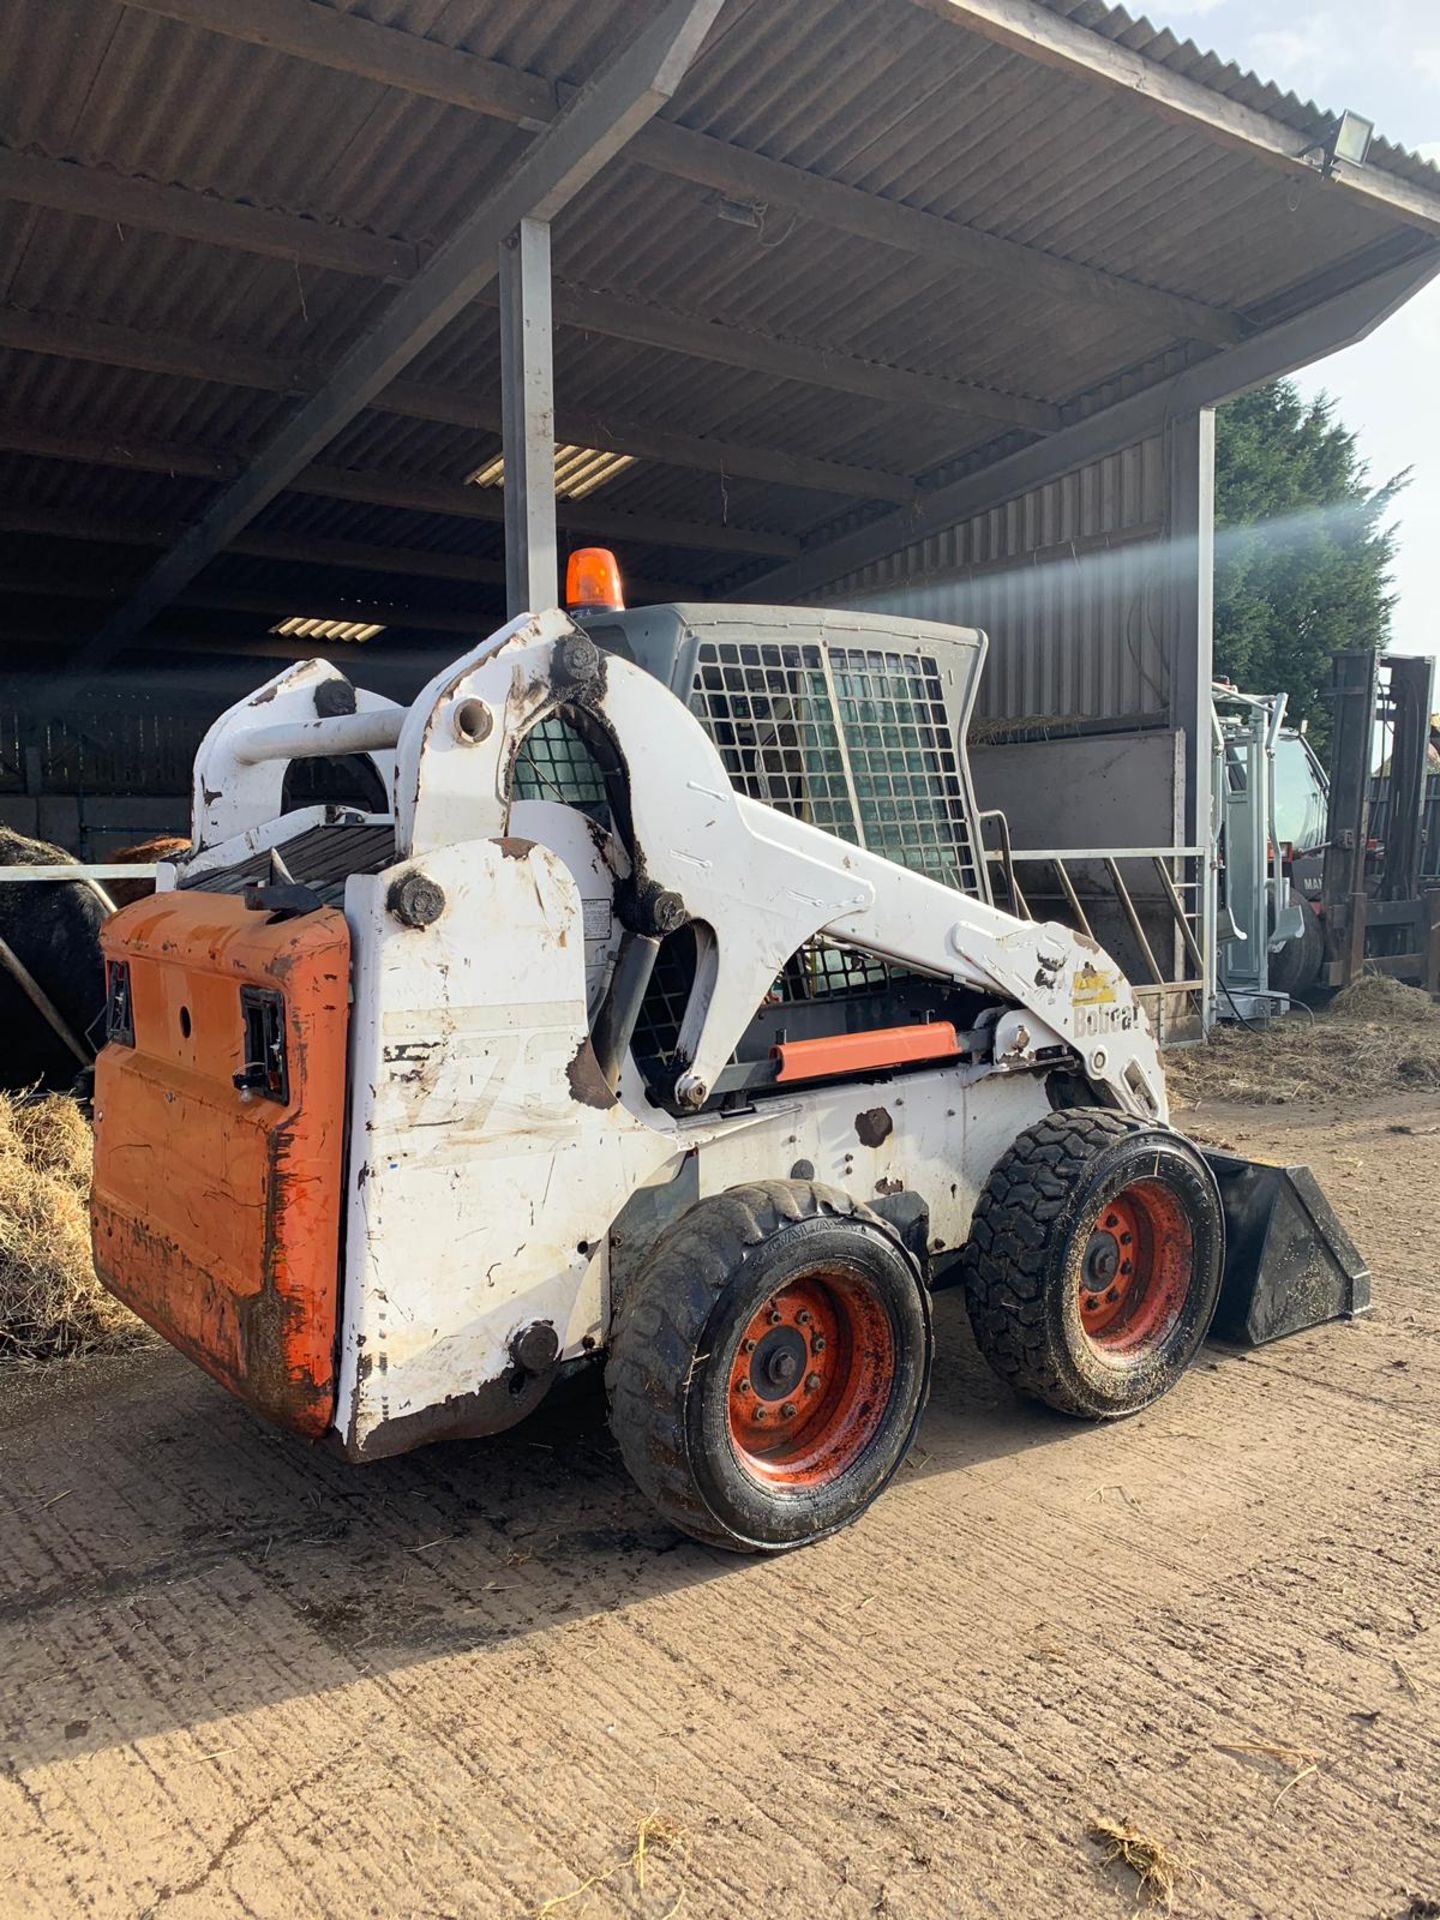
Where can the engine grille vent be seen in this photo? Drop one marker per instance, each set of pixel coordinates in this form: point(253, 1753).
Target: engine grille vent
point(322, 858)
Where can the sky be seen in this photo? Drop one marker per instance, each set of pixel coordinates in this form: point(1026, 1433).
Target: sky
point(1382, 60)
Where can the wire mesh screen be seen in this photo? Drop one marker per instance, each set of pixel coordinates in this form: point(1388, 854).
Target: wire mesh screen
point(904, 763)
point(857, 743)
point(767, 707)
point(825, 970)
point(554, 763)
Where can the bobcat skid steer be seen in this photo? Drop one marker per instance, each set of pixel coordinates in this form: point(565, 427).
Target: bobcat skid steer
point(661, 1014)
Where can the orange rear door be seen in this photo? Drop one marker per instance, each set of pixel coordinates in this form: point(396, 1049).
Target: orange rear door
point(219, 1138)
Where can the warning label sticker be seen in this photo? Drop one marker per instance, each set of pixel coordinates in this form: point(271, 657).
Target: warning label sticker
point(1092, 988)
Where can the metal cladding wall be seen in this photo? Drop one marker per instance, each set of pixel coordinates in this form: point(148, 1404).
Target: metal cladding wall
point(1070, 582)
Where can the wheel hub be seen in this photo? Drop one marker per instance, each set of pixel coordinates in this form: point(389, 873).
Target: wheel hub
point(1136, 1270)
point(809, 1380)
point(1102, 1261)
point(777, 1362)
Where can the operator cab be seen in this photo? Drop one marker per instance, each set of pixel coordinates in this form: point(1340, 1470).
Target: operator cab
point(853, 722)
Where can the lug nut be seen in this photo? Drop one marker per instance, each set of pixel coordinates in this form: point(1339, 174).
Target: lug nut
point(817, 1345)
point(787, 1412)
point(742, 1386)
point(775, 1316)
point(1113, 1294)
point(812, 1385)
point(759, 1413)
point(747, 1346)
point(804, 1316)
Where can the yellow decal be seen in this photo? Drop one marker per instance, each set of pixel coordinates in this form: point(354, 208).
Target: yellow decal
point(1093, 988)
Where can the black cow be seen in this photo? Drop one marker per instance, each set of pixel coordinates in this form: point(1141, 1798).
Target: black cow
point(53, 928)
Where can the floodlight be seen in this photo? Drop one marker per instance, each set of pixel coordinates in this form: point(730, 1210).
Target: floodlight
point(1351, 139)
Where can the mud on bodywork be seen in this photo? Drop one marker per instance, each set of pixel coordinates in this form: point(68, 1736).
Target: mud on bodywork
point(586, 1081)
point(487, 1409)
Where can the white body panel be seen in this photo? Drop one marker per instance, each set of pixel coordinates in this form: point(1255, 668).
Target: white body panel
point(482, 1191)
point(490, 1167)
point(239, 774)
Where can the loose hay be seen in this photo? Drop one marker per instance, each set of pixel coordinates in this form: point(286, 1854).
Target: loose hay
point(51, 1304)
point(1377, 1037)
point(1157, 1867)
point(656, 1835)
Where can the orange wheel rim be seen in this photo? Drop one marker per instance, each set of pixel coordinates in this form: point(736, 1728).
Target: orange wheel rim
point(1136, 1267)
point(810, 1380)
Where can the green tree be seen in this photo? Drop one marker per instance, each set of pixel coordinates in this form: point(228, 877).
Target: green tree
point(1303, 547)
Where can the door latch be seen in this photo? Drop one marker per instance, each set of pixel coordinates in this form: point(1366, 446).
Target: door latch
point(266, 1070)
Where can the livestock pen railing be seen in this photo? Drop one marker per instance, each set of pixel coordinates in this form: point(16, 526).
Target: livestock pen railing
point(1147, 905)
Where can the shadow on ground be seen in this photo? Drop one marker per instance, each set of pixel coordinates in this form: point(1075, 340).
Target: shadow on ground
point(127, 1480)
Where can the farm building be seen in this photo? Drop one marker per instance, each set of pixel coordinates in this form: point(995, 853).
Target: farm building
point(908, 305)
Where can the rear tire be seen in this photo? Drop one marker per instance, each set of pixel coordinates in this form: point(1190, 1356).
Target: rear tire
point(1295, 969)
point(1094, 1261)
point(769, 1366)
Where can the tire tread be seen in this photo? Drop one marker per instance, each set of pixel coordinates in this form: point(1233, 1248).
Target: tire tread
point(1003, 1265)
point(665, 1314)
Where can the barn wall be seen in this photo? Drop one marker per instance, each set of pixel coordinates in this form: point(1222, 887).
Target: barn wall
point(1070, 581)
point(112, 771)
point(1096, 790)
point(99, 778)
point(1091, 728)
point(133, 743)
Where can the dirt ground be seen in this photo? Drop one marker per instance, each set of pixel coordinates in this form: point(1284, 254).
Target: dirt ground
point(239, 1678)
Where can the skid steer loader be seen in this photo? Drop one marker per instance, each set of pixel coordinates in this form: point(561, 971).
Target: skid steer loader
point(665, 1017)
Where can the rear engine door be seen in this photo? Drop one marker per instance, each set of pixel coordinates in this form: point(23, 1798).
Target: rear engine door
point(220, 1120)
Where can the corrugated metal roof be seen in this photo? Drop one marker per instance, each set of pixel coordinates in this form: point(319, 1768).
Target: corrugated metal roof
point(1234, 82)
point(881, 96)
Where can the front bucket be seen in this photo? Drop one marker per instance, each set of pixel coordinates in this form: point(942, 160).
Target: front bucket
point(1289, 1264)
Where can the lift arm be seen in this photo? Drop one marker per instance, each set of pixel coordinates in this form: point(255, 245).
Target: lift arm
point(755, 883)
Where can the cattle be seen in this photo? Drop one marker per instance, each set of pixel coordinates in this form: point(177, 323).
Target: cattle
point(53, 930)
point(145, 853)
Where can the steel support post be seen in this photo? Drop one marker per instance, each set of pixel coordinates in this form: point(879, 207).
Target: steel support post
point(527, 381)
point(1190, 634)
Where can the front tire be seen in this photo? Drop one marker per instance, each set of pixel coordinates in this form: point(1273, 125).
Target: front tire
point(769, 1366)
point(1094, 1261)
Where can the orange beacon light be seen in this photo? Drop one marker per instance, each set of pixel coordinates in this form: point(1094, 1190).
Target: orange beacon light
point(592, 582)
